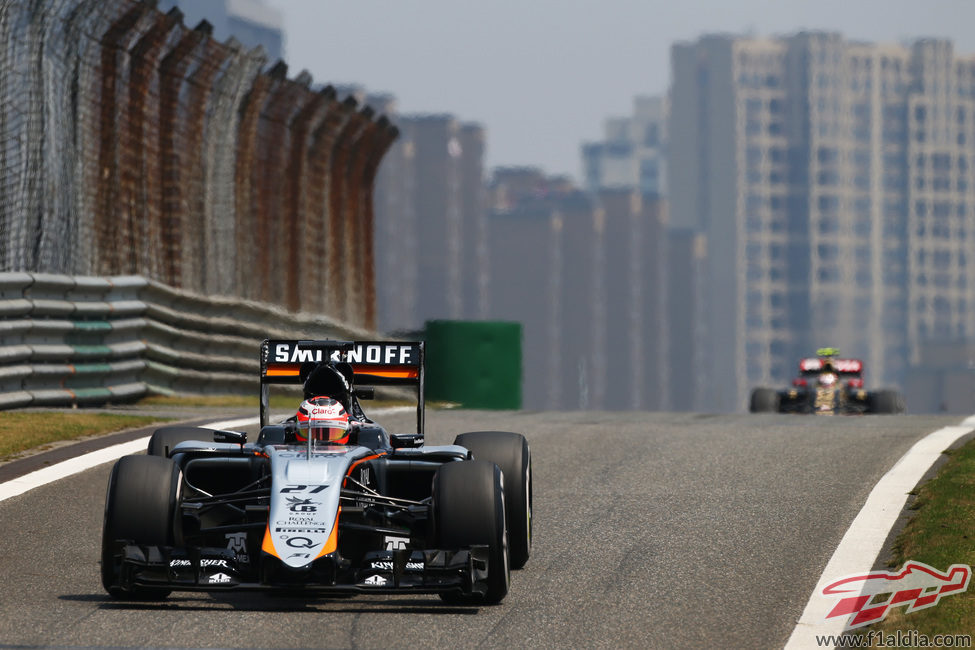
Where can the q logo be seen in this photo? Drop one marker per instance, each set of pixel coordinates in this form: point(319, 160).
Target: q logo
point(300, 542)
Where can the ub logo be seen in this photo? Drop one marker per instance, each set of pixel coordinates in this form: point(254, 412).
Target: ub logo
point(297, 504)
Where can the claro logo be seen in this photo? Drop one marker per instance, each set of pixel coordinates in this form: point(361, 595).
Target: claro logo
point(325, 410)
point(867, 598)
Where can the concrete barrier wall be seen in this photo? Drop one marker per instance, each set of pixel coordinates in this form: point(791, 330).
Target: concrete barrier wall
point(84, 340)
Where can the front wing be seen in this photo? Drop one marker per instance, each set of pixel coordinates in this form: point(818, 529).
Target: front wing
point(801, 401)
point(383, 572)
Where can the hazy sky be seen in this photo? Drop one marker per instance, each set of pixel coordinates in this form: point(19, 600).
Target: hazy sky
point(542, 75)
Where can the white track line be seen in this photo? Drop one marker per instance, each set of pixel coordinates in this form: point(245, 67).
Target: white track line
point(71, 466)
point(860, 546)
point(66, 468)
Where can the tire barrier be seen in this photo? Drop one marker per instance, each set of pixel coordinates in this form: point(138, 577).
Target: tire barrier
point(80, 340)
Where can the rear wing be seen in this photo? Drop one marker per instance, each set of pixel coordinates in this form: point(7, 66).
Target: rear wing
point(375, 363)
point(842, 366)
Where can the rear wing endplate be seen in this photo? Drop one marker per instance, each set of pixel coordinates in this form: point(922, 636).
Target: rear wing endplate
point(375, 363)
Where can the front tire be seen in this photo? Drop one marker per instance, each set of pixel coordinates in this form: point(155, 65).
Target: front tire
point(468, 501)
point(140, 507)
point(164, 439)
point(510, 452)
point(886, 402)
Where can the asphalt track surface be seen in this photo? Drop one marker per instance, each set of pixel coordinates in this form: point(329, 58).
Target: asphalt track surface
point(651, 530)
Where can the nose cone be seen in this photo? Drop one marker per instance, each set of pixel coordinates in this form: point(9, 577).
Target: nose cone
point(305, 472)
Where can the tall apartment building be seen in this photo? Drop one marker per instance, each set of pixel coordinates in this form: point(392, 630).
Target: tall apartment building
point(583, 317)
point(252, 22)
point(431, 253)
point(525, 252)
point(474, 281)
point(584, 274)
point(686, 312)
point(626, 174)
point(634, 297)
point(834, 183)
point(544, 272)
point(633, 151)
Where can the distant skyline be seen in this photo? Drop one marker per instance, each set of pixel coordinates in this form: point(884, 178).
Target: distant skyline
point(541, 76)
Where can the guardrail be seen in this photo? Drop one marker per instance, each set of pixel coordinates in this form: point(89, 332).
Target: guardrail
point(83, 340)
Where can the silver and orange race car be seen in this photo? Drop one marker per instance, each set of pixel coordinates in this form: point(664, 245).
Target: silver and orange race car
point(208, 510)
point(827, 385)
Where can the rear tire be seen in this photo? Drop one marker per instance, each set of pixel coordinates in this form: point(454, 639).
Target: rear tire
point(163, 440)
point(511, 453)
point(140, 505)
point(764, 400)
point(468, 503)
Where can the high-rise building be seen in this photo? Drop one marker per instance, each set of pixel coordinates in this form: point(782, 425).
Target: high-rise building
point(834, 183)
point(525, 252)
point(686, 313)
point(584, 274)
point(475, 279)
point(430, 238)
point(633, 294)
point(252, 22)
point(544, 252)
point(583, 316)
point(633, 151)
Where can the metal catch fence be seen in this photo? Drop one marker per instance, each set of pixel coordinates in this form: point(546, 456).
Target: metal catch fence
point(131, 144)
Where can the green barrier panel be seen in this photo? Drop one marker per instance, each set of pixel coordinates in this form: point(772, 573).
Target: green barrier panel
point(92, 394)
point(476, 364)
point(92, 351)
point(92, 325)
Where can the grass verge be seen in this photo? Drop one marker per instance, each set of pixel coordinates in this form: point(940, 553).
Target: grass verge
point(939, 534)
point(278, 402)
point(22, 431)
point(37, 429)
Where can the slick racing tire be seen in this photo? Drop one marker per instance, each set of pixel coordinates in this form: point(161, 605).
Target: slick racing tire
point(764, 400)
point(140, 507)
point(511, 453)
point(886, 402)
point(164, 439)
point(468, 510)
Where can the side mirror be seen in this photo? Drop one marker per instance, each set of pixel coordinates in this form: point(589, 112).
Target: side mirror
point(404, 440)
point(368, 392)
point(237, 437)
point(276, 434)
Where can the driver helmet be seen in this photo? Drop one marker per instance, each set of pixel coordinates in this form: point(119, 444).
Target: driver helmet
point(323, 419)
point(827, 379)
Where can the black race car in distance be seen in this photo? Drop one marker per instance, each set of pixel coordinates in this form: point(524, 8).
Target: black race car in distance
point(827, 385)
